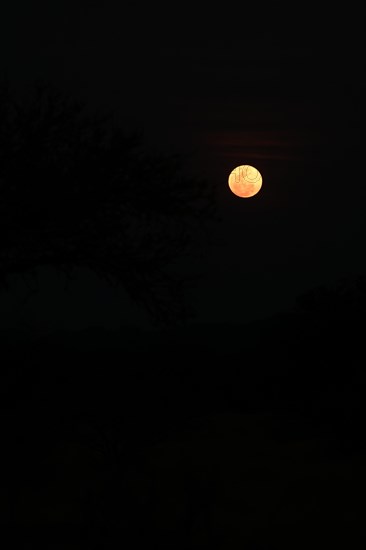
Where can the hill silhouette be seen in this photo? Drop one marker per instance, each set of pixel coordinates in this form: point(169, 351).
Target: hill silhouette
point(170, 436)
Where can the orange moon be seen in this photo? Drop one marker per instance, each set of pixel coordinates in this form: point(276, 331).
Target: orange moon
point(245, 181)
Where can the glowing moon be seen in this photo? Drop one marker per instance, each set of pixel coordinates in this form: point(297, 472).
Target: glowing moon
point(245, 181)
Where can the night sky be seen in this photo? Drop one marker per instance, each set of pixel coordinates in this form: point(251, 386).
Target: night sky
point(242, 428)
point(276, 88)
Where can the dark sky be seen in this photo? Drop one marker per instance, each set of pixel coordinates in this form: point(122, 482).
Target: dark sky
point(232, 84)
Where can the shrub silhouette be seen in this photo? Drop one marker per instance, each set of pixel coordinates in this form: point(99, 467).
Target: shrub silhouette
point(77, 190)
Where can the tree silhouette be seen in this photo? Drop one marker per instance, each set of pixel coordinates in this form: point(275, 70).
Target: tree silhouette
point(345, 299)
point(78, 190)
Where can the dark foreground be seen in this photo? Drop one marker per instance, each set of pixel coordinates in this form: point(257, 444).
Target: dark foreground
point(208, 437)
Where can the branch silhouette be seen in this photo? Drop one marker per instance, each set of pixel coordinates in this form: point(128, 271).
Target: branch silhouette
point(78, 190)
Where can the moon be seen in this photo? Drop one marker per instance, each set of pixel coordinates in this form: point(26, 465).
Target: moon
point(245, 181)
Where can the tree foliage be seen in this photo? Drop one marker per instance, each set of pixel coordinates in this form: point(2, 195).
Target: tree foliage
point(78, 190)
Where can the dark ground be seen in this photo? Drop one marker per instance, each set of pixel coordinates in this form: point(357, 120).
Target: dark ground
point(247, 437)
